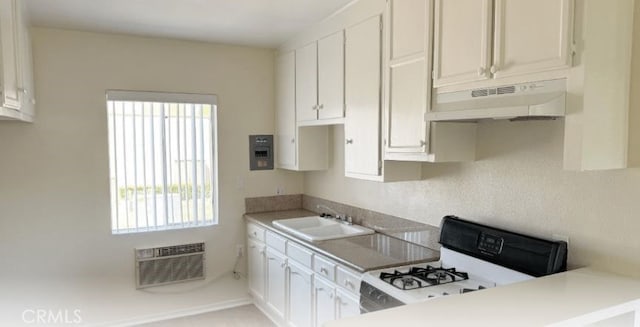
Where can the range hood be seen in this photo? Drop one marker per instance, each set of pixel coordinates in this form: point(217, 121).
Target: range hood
point(535, 100)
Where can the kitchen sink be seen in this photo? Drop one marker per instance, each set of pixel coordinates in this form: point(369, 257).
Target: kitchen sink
point(317, 228)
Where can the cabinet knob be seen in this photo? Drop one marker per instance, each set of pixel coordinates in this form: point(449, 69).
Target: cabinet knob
point(293, 140)
point(349, 141)
point(315, 107)
point(423, 143)
point(494, 69)
point(482, 71)
point(321, 106)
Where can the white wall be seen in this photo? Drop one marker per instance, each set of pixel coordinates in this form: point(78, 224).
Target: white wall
point(516, 183)
point(54, 190)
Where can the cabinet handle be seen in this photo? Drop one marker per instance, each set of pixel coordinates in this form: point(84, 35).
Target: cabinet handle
point(324, 271)
point(293, 140)
point(262, 252)
point(282, 265)
point(321, 106)
point(494, 69)
point(349, 141)
point(423, 143)
point(255, 233)
point(315, 107)
point(23, 90)
point(482, 71)
point(294, 272)
point(348, 283)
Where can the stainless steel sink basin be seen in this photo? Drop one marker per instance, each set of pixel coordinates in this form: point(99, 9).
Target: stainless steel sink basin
point(316, 228)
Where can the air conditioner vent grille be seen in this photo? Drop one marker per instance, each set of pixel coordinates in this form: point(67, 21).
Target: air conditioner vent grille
point(479, 93)
point(507, 89)
point(171, 264)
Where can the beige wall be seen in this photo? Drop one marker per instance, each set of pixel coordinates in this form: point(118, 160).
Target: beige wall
point(54, 191)
point(516, 183)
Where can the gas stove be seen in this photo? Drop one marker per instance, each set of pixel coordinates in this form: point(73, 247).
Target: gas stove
point(473, 257)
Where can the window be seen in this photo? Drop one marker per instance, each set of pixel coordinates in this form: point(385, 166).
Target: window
point(162, 159)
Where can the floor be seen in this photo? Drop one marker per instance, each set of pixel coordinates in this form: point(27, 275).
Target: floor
point(244, 316)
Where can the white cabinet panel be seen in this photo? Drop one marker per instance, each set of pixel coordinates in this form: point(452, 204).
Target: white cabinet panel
point(256, 259)
point(407, 107)
point(462, 51)
point(531, 36)
point(10, 55)
point(300, 296)
point(347, 305)
point(276, 282)
point(285, 110)
point(331, 76)
point(306, 82)
point(408, 22)
point(324, 299)
point(362, 93)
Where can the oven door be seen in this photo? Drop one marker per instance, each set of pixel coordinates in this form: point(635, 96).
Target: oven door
point(372, 299)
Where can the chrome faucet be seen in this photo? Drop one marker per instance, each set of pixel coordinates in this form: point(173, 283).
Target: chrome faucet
point(340, 217)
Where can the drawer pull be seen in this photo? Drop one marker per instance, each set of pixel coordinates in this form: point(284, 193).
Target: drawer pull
point(324, 271)
point(348, 283)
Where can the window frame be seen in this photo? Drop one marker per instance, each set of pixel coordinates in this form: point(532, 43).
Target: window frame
point(168, 97)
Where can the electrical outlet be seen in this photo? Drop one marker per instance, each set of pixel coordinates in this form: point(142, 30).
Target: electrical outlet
point(559, 237)
point(240, 250)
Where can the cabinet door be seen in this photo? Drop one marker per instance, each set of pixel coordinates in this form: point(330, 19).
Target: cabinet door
point(531, 36)
point(25, 79)
point(256, 260)
point(347, 305)
point(300, 295)
point(324, 299)
point(331, 76)
point(307, 83)
point(285, 111)
point(409, 65)
point(462, 41)
point(276, 282)
point(362, 93)
point(10, 69)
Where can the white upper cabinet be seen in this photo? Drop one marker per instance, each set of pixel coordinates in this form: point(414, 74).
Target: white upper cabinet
point(409, 136)
point(331, 76)
point(10, 54)
point(531, 36)
point(362, 90)
point(498, 39)
point(462, 50)
point(297, 148)
point(320, 81)
point(408, 61)
point(306, 83)
point(16, 75)
point(285, 111)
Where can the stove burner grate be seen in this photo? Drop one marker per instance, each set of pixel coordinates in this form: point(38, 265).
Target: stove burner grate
point(418, 277)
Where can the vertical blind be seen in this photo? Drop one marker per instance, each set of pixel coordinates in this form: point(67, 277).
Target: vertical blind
point(162, 161)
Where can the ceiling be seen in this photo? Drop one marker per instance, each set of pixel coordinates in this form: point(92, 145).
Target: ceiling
point(265, 23)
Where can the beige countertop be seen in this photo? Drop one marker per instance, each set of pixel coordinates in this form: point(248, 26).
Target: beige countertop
point(362, 253)
point(574, 298)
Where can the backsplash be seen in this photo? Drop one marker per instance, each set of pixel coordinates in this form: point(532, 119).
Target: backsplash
point(410, 231)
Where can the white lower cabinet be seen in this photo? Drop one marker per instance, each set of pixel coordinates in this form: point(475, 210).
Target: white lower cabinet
point(324, 298)
point(294, 285)
point(300, 295)
point(347, 305)
point(256, 258)
point(276, 298)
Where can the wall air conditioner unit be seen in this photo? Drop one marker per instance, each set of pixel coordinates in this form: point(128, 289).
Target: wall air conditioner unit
point(535, 100)
point(169, 264)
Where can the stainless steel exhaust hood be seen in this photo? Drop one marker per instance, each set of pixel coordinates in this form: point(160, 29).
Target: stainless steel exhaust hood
point(535, 100)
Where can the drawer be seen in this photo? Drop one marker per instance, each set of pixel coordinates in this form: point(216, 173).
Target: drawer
point(299, 254)
point(324, 267)
point(255, 232)
point(348, 280)
point(276, 242)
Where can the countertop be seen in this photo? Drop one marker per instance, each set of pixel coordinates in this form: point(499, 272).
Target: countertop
point(573, 298)
point(361, 253)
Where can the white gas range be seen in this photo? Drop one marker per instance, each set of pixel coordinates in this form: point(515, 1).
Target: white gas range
point(473, 257)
